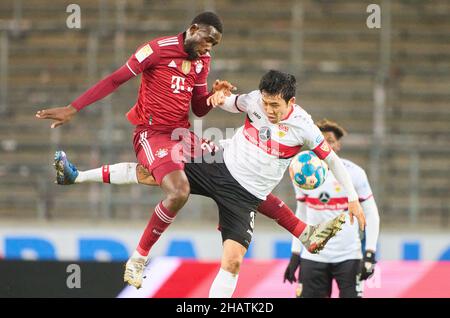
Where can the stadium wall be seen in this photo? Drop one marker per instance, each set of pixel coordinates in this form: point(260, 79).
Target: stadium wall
point(106, 243)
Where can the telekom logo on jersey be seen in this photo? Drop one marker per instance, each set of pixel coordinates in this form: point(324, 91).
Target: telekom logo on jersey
point(177, 84)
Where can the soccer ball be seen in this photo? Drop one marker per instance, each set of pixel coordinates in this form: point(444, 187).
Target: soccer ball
point(307, 171)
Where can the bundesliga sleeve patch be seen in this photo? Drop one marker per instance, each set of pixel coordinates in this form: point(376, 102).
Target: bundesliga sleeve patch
point(322, 150)
point(143, 53)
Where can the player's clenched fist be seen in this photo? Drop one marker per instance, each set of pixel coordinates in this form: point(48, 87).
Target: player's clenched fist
point(216, 99)
point(60, 115)
point(220, 90)
point(224, 86)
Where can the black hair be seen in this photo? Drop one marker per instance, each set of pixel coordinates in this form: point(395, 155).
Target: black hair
point(276, 83)
point(209, 18)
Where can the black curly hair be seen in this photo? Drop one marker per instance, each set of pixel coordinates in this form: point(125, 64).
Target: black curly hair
point(209, 18)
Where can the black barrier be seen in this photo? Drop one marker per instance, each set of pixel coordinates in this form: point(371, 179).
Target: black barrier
point(60, 279)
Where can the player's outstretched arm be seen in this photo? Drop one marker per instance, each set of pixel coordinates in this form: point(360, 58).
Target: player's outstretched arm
point(371, 234)
point(203, 101)
point(343, 177)
point(106, 86)
point(59, 115)
point(221, 90)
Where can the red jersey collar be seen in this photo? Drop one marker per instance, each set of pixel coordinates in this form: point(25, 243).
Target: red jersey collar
point(289, 114)
point(180, 37)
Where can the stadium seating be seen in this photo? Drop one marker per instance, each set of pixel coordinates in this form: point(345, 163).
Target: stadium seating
point(337, 69)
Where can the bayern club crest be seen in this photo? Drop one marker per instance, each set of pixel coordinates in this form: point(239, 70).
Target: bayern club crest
point(162, 152)
point(198, 67)
point(264, 133)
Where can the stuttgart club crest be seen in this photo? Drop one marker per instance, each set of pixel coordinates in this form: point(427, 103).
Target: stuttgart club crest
point(162, 152)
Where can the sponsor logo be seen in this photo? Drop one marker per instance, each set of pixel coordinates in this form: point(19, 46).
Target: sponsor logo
point(264, 133)
point(198, 66)
point(281, 134)
point(257, 115)
point(143, 53)
point(156, 232)
point(186, 67)
point(172, 64)
point(324, 197)
point(177, 84)
point(161, 153)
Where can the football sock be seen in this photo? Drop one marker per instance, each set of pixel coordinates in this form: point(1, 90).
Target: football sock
point(136, 254)
point(93, 175)
point(223, 285)
point(159, 222)
point(274, 208)
point(119, 173)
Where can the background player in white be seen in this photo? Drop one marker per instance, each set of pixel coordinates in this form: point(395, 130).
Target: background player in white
point(342, 257)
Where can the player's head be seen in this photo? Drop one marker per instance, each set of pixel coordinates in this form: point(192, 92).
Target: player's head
point(278, 94)
point(332, 133)
point(205, 31)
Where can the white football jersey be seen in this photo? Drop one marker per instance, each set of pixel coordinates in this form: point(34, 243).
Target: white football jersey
point(259, 152)
point(327, 202)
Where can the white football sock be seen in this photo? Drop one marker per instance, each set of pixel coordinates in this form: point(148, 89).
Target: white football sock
point(223, 285)
point(136, 254)
point(119, 173)
point(93, 175)
point(123, 173)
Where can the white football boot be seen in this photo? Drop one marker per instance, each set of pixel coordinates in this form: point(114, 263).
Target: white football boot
point(134, 271)
point(314, 237)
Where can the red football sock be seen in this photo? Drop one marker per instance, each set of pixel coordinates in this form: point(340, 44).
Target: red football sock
point(158, 223)
point(105, 174)
point(277, 210)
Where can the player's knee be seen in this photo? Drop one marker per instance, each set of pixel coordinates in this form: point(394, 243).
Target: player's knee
point(179, 194)
point(232, 264)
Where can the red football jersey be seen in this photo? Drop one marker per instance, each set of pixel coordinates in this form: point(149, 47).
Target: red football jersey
point(167, 84)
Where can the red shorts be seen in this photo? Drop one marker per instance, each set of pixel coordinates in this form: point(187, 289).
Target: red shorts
point(164, 152)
